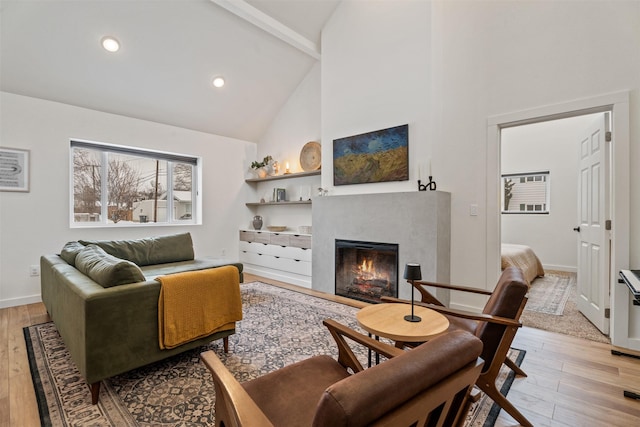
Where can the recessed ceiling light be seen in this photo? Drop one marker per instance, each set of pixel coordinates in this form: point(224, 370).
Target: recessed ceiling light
point(218, 81)
point(110, 44)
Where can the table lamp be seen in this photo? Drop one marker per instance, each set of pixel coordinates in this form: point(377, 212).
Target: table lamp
point(412, 273)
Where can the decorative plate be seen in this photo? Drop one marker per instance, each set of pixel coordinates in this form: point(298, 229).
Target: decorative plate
point(310, 156)
point(276, 227)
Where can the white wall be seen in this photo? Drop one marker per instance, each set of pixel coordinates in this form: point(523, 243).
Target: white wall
point(297, 123)
point(547, 146)
point(36, 223)
point(376, 74)
point(446, 67)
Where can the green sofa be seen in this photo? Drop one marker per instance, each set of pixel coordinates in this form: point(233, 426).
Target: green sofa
point(108, 324)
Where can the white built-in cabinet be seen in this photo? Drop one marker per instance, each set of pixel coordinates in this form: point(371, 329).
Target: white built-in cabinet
point(281, 256)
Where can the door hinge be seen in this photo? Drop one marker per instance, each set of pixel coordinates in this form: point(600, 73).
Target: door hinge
point(607, 313)
point(607, 136)
point(607, 224)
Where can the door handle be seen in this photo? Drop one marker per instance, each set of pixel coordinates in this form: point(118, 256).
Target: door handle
point(576, 229)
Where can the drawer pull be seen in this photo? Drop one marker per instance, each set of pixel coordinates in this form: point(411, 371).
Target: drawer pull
point(277, 257)
point(296, 260)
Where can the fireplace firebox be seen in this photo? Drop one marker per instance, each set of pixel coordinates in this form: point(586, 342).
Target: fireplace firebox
point(366, 271)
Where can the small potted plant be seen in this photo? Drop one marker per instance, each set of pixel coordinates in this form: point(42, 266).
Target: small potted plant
point(261, 167)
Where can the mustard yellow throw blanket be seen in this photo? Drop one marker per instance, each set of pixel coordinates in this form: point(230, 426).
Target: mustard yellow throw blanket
point(195, 304)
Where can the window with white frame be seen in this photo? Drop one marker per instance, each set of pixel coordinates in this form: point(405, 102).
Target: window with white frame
point(526, 193)
point(115, 185)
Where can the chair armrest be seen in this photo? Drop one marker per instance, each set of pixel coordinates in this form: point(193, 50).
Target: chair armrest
point(459, 313)
point(473, 316)
point(428, 298)
point(346, 357)
point(237, 402)
point(451, 287)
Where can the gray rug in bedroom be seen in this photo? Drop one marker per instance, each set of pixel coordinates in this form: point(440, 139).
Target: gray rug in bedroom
point(279, 327)
point(552, 307)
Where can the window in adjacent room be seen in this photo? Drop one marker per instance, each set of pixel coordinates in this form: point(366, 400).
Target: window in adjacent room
point(120, 186)
point(526, 193)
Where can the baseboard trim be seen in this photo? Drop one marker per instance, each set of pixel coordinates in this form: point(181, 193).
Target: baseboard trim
point(14, 302)
point(560, 268)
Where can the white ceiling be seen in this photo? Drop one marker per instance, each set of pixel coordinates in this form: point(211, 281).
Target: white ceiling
point(171, 49)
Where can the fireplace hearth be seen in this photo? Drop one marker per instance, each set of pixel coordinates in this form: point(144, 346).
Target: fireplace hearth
point(366, 271)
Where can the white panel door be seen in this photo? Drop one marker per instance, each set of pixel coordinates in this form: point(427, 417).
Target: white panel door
point(593, 211)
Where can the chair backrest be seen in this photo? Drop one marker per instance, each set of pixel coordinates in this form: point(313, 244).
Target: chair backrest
point(428, 382)
point(507, 300)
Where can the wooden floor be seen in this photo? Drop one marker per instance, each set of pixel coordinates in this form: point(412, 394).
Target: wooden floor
point(571, 382)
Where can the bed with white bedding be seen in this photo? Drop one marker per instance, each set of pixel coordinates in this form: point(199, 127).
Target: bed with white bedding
point(524, 257)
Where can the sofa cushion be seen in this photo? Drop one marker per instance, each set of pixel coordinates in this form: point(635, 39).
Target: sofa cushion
point(150, 250)
point(69, 252)
point(152, 271)
point(105, 269)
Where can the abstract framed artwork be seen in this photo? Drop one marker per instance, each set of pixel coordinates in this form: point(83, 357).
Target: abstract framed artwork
point(377, 156)
point(14, 169)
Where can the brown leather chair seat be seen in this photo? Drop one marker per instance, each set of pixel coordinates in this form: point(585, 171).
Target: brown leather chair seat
point(431, 382)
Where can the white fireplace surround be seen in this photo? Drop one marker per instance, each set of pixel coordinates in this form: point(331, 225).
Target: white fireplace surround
point(419, 222)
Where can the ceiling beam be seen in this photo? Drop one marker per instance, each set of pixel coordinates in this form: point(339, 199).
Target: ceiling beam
point(263, 21)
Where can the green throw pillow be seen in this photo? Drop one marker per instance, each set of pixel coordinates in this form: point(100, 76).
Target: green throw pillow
point(107, 270)
point(70, 251)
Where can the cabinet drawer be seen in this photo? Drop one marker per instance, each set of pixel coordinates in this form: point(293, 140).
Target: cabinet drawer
point(277, 263)
point(279, 239)
point(276, 251)
point(300, 241)
point(256, 259)
point(247, 236)
point(295, 266)
point(254, 236)
point(252, 247)
point(287, 252)
point(262, 237)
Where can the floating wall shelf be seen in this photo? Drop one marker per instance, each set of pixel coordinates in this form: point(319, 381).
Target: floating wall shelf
point(284, 176)
point(294, 202)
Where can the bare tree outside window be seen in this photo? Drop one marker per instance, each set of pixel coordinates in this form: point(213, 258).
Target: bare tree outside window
point(526, 193)
point(137, 187)
point(508, 192)
point(182, 177)
point(87, 185)
point(122, 186)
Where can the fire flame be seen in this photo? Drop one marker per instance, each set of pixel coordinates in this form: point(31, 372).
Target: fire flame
point(368, 271)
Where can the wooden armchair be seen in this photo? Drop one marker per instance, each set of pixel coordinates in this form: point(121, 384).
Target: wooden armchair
point(429, 385)
point(496, 326)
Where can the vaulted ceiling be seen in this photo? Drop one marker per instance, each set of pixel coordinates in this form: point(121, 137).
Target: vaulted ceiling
point(170, 51)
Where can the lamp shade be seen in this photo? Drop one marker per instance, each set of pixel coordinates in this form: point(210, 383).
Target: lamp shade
point(412, 272)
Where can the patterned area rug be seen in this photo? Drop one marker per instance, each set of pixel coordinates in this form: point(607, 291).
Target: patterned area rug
point(569, 322)
point(549, 294)
point(280, 327)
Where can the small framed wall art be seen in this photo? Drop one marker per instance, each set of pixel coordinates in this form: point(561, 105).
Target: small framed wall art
point(377, 156)
point(14, 169)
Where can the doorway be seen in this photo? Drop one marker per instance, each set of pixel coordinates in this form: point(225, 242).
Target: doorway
point(542, 210)
point(618, 105)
